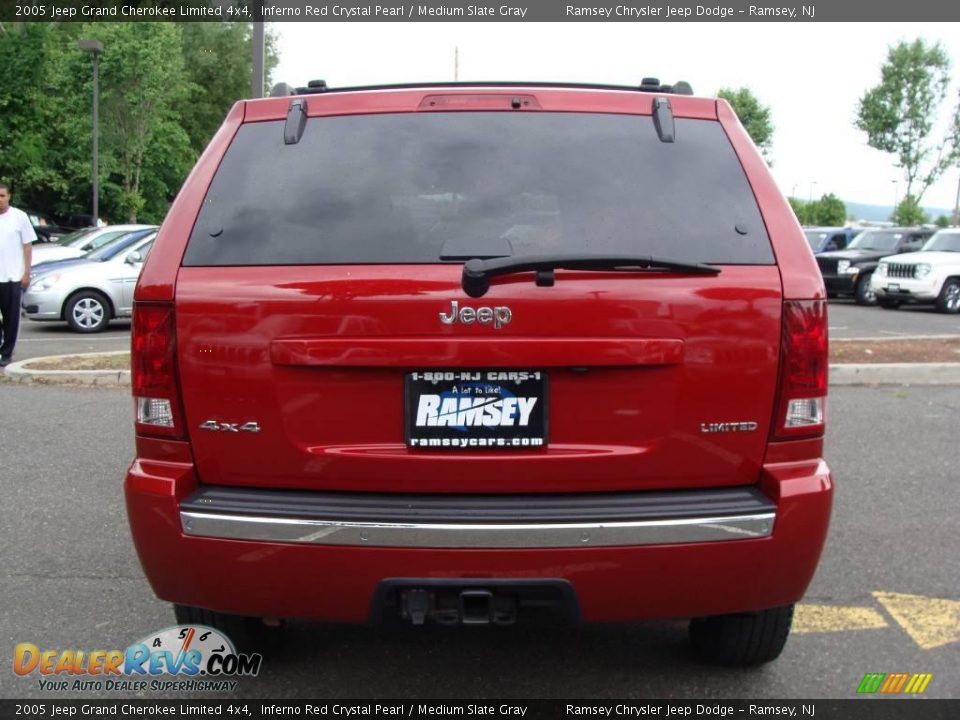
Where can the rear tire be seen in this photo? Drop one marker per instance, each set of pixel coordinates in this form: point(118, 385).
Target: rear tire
point(249, 634)
point(864, 294)
point(949, 299)
point(889, 304)
point(88, 312)
point(743, 639)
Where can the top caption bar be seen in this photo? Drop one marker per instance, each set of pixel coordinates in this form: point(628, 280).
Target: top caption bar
point(435, 11)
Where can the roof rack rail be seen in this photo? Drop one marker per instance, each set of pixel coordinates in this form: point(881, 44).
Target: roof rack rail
point(320, 86)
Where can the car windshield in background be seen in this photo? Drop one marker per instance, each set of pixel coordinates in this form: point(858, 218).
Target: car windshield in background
point(101, 240)
point(412, 187)
point(944, 242)
point(117, 245)
point(815, 238)
point(74, 237)
point(875, 240)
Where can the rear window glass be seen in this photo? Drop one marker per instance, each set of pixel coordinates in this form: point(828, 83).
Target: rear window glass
point(412, 187)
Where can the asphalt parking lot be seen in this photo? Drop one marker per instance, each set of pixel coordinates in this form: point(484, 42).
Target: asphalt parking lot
point(849, 320)
point(885, 598)
point(38, 339)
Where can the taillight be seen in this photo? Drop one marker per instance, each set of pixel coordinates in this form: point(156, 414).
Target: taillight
point(153, 373)
point(802, 395)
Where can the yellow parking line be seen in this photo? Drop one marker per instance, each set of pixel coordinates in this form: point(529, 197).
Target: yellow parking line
point(931, 622)
point(826, 618)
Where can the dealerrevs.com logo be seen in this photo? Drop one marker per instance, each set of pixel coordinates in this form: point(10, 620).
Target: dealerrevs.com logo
point(179, 658)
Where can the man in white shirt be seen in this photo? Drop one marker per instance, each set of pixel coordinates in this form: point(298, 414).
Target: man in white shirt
point(16, 236)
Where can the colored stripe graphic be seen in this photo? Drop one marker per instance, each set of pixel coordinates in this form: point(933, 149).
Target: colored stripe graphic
point(894, 683)
point(871, 682)
point(918, 683)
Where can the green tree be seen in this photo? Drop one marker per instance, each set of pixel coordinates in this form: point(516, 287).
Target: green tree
point(144, 81)
point(801, 209)
point(942, 221)
point(28, 110)
point(829, 210)
point(898, 115)
point(217, 61)
point(161, 101)
point(754, 116)
point(145, 153)
point(909, 212)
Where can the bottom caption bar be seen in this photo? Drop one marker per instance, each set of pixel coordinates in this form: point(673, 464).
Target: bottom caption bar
point(821, 709)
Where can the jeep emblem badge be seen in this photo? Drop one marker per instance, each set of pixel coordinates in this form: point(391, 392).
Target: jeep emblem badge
point(499, 316)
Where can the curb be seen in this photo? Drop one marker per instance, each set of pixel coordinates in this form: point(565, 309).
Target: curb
point(893, 338)
point(840, 374)
point(19, 372)
point(895, 374)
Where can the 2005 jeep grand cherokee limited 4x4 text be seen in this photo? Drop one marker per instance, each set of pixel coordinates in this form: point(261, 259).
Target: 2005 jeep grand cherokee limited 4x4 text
point(456, 354)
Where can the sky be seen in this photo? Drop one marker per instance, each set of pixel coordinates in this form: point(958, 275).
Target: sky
point(811, 75)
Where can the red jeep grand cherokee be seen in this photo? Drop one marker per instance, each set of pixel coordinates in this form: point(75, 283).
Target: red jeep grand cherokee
point(457, 353)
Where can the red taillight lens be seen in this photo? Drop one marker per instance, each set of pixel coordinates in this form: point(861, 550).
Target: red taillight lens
point(802, 395)
point(153, 370)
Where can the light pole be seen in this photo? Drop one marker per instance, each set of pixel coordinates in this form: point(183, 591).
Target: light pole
point(813, 184)
point(256, 76)
point(95, 47)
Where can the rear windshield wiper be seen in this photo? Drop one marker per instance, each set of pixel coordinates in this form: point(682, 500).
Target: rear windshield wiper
point(477, 273)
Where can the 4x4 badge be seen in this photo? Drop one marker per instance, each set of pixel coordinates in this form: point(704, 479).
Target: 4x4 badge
point(230, 427)
point(500, 315)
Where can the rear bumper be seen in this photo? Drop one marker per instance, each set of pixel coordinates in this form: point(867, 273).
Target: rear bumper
point(632, 567)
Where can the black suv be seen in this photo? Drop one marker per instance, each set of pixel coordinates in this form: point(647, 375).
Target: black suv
point(46, 228)
point(847, 272)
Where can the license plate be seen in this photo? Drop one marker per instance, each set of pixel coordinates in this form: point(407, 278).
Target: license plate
point(893, 287)
point(476, 409)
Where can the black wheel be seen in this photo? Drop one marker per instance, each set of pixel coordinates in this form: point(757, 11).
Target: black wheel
point(864, 294)
point(889, 304)
point(744, 639)
point(87, 312)
point(949, 299)
point(249, 634)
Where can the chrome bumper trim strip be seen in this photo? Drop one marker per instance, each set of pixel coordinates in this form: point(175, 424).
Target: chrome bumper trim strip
point(465, 535)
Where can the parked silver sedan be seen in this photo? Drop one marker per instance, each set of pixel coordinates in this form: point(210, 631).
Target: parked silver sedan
point(89, 293)
point(76, 244)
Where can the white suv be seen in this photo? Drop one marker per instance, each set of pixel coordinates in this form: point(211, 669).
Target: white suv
point(931, 276)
